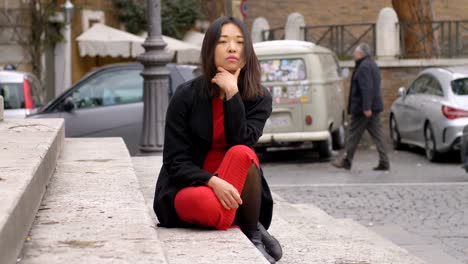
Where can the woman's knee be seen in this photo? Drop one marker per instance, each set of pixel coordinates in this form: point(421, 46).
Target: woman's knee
point(197, 205)
point(242, 151)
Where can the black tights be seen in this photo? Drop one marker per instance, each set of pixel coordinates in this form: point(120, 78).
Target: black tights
point(249, 212)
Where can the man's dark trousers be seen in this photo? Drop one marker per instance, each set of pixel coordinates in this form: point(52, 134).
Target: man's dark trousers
point(358, 125)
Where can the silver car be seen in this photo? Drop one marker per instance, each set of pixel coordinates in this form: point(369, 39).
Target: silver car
point(108, 102)
point(432, 112)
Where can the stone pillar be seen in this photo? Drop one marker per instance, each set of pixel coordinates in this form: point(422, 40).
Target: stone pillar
point(293, 29)
point(1, 108)
point(387, 35)
point(260, 25)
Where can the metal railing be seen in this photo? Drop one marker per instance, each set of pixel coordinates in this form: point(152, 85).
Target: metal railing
point(434, 39)
point(342, 39)
point(461, 40)
point(273, 34)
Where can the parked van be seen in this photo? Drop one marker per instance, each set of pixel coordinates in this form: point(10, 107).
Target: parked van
point(306, 83)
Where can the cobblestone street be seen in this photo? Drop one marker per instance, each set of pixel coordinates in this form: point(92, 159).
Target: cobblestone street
point(426, 200)
point(432, 211)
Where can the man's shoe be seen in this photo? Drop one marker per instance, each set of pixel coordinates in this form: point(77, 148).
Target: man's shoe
point(256, 238)
point(272, 245)
point(382, 167)
point(342, 163)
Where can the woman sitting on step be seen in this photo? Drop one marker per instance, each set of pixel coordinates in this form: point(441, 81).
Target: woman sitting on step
point(211, 176)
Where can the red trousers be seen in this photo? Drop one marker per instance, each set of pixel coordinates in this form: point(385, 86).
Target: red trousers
point(200, 206)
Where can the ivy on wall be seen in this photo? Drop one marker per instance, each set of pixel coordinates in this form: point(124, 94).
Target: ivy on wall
point(177, 16)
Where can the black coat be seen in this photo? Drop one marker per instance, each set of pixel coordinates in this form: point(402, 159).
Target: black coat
point(188, 138)
point(365, 91)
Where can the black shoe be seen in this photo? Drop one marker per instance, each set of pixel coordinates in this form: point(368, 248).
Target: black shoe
point(342, 163)
point(382, 167)
point(256, 238)
point(272, 245)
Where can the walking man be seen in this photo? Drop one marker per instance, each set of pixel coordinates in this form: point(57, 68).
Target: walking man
point(364, 105)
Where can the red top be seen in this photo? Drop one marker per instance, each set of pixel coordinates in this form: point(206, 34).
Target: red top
point(219, 146)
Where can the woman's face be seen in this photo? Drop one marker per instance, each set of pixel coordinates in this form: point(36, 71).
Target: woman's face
point(229, 52)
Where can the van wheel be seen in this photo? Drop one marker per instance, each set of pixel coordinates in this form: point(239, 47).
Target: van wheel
point(325, 148)
point(338, 138)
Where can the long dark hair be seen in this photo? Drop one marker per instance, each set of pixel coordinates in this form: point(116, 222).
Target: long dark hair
point(249, 77)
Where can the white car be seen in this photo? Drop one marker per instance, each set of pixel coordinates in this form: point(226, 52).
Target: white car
point(20, 93)
point(432, 112)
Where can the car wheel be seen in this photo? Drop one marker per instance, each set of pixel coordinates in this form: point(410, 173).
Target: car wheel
point(395, 134)
point(325, 148)
point(430, 144)
point(463, 157)
point(338, 138)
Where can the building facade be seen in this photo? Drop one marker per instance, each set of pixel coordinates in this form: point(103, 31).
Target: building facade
point(329, 12)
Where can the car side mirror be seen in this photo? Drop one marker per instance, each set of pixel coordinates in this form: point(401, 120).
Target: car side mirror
point(68, 105)
point(344, 73)
point(402, 92)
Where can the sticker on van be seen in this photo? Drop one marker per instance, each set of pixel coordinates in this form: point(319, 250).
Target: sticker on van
point(283, 70)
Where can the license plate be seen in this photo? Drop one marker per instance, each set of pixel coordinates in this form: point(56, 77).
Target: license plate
point(278, 121)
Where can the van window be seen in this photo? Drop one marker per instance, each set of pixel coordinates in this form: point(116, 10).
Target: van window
point(278, 70)
point(330, 66)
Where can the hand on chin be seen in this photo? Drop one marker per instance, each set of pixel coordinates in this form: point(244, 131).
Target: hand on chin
point(227, 81)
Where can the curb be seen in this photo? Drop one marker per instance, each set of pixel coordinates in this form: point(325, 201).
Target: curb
point(14, 230)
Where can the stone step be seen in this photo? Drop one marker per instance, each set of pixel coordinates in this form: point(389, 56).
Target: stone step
point(29, 150)
point(427, 248)
point(93, 210)
point(189, 245)
point(331, 240)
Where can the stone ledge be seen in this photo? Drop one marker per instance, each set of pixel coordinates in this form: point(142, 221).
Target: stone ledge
point(29, 150)
point(93, 210)
point(189, 245)
point(308, 235)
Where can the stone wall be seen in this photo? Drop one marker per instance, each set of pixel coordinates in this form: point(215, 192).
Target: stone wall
point(326, 12)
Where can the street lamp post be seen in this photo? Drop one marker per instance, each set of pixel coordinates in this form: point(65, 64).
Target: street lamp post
point(156, 82)
point(63, 65)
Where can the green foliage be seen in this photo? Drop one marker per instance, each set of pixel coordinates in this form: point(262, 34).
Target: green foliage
point(132, 13)
point(177, 16)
